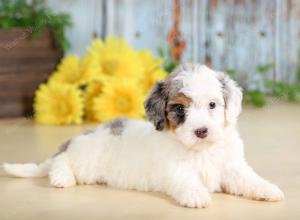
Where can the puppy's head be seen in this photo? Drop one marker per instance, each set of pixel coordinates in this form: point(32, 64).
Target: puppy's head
point(195, 103)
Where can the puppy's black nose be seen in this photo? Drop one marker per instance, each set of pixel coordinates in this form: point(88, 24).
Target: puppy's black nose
point(201, 132)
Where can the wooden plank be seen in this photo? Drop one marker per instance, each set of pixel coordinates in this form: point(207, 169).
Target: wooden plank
point(265, 27)
point(280, 47)
point(22, 38)
point(231, 34)
point(8, 34)
point(12, 108)
point(293, 24)
point(24, 65)
point(135, 22)
point(242, 37)
point(193, 26)
point(87, 21)
point(142, 24)
point(29, 61)
point(30, 53)
point(14, 80)
point(217, 33)
point(15, 93)
point(20, 69)
point(287, 39)
point(15, 86)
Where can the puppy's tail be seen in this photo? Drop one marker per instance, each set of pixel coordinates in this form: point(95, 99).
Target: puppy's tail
point(27, 170)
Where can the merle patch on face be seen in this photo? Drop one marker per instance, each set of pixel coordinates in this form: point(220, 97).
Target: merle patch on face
point(176, 114)
point(155, 105)
point(176, 110)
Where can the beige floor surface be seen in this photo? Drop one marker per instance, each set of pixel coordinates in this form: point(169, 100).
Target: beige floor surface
point(271, 135)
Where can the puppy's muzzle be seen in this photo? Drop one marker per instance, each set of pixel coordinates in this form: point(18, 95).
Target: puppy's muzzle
point(201, 132)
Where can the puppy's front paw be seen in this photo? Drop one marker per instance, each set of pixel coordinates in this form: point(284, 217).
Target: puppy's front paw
point(194, 199)
point(61, 179)
point(268, 192)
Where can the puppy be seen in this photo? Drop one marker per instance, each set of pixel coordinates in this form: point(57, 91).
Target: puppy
point(192, 150)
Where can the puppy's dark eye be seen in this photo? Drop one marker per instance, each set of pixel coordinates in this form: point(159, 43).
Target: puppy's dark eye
point(179, 109)
point(212, 105)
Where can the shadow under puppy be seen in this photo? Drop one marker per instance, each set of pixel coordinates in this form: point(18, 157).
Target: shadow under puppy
point(192, 150)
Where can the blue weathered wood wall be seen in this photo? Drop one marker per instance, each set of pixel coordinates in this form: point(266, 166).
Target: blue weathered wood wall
point(229, 34)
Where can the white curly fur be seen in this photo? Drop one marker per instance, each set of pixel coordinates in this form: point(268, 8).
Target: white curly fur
point(175, 162)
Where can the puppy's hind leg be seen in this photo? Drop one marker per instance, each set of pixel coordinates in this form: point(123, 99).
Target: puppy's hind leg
point(61, 174)
point(240, 179)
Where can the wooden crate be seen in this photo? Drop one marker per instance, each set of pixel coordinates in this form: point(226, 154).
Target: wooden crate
point(25, 62)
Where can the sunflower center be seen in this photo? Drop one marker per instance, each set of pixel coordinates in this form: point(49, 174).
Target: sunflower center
point(123, 104)
point(64, 109)
point(110, 66)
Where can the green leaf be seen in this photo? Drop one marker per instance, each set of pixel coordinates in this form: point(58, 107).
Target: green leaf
point(169, 63)
point(161, 52)
point(169, 67)
point(21, 13)
point(264, 69)
point(298, 74)
point(256, 98)
point(232, 73)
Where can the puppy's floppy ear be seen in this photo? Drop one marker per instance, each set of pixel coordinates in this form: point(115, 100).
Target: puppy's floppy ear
point(155, 105)
point(233, 96)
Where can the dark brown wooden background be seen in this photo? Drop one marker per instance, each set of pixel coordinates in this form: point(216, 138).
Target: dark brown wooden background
point(25, 62)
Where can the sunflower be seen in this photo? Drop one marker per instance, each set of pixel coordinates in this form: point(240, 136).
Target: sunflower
point(150, 63)
point(151, 78)
point(58, 104)
point(77, 72)
point(116, 58)
point(152, 72)
point(119, 98)
point(109, 81)
point(93, 90)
